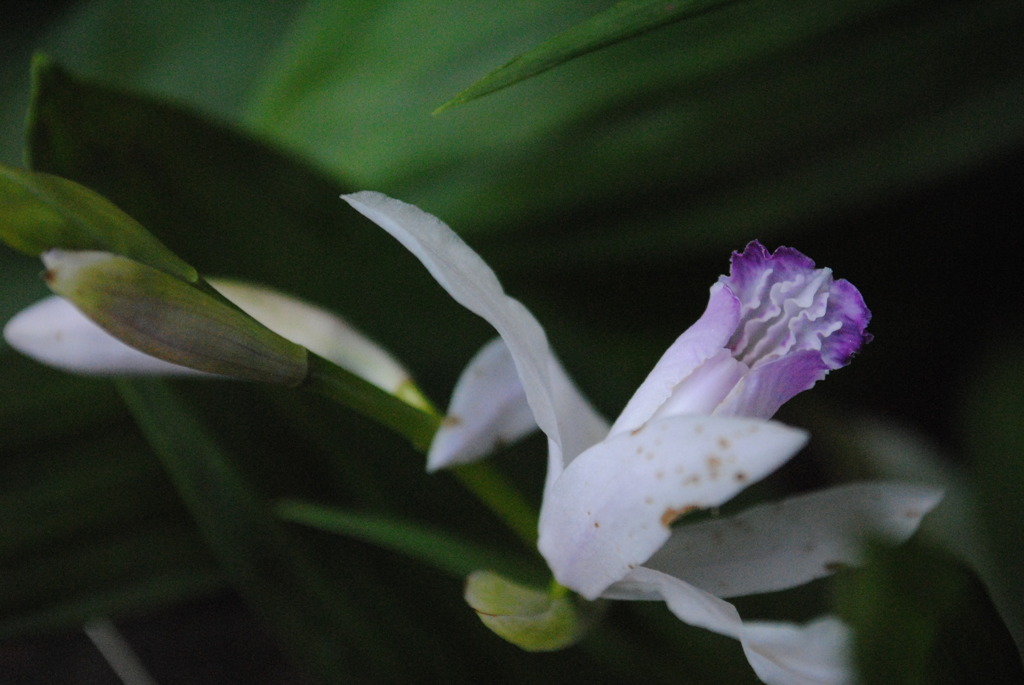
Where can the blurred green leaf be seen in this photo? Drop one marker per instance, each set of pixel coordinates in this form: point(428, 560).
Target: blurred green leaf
point(319, 626)
point(919, 618)
point(708, 132)
point(230, 205)
point(92, 526)
point(42, 212)
point(994, 437)
point(619, 22)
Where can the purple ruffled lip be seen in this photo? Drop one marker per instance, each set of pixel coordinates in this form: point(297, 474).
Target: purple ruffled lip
point(773, 327)
point(787, 300)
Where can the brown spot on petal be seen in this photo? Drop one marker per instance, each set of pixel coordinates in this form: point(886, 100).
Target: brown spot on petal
point(451, 420)
point(692, 479)
point(740, 476)
point(596, 524)
point(714, 463)
point(671, 514)
point(724, 443)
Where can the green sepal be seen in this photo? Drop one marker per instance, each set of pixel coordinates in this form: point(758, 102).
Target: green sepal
point(534, 620)
point(172, 320)
point(44, 212)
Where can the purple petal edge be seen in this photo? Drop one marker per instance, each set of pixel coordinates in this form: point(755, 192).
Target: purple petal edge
point(845, 303)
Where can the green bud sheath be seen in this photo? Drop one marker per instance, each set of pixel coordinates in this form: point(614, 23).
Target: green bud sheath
point(534, 620)
point(172, 320)
point(44, 212)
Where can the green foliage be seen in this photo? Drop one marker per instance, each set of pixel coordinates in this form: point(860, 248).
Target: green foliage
point(93, 527)
point(43, 212)
point(920, 619)
point(995, 443)
point(621, 21)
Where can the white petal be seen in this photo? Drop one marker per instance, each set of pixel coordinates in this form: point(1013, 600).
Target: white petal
point(613, 506)
point(488, 409)
point(817, 653)
point(318, 330)
point(690, 604)
point(561, 411)
point(780, 545)
point(699, 343)
point(55, 333)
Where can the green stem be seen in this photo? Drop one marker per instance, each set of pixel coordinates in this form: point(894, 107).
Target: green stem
point(419, 424)
point(416, 424)
point(505, 501)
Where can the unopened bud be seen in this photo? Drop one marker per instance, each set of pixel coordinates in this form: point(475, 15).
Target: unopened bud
point(534, 620)
point(170, 319)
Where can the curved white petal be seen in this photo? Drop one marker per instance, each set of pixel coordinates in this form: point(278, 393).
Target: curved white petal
point(780, 545)
point(817, 653)
point(706, 338)
point(612, 508)
point(690, 604)
point(53, 332)
point(561, 411)
point(318, 330)
point(488, 409)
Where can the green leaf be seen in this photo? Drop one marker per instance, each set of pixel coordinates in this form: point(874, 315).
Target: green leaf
point(323, 629)
point(439, 549)
point(921, 619)
point(43, 212)
point(245, 210)
point(92, 525)
point(994, 439)
point(621, 21)
point(734, 124)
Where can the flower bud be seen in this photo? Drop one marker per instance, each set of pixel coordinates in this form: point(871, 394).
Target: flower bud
point(534, 620)
point(172, 320)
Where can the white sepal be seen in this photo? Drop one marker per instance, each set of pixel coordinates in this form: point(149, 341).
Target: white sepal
point(488, 409)
point(787, 543)
point(613, 507)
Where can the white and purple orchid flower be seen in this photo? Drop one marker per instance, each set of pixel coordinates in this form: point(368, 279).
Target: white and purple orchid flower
point(694, 435)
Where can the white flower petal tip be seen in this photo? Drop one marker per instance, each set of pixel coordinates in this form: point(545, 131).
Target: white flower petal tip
point(55, 333)
point(816, 653)
point(488, 410)
point(783, 544)
point(559, 409)
point(319, 331)
point(613, 506)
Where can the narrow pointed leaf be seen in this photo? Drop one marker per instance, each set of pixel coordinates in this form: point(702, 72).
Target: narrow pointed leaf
point(439, 549)
point(621, 21)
